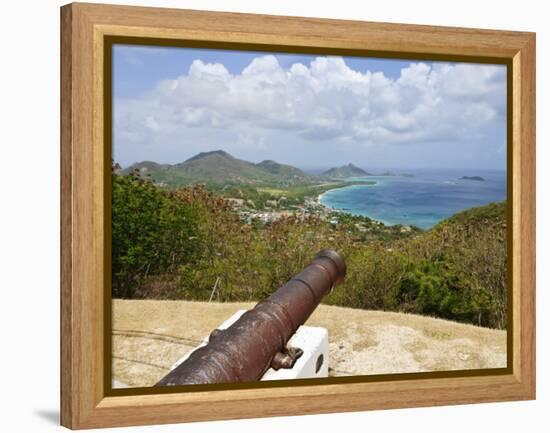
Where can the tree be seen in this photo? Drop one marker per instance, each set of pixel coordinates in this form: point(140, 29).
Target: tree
point(152, 233)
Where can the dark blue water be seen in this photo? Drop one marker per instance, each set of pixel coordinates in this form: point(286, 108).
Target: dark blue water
point(423, 200)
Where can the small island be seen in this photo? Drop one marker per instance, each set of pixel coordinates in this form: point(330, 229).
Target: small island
point(477, 178)
point(344, 172)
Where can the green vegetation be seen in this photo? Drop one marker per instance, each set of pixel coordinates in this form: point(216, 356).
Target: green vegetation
point(152, 233)
point(176, 244)
point(286, 171)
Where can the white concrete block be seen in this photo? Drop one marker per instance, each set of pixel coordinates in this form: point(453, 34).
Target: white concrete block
point(313, 362)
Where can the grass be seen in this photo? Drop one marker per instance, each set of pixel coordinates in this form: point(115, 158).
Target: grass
point(149, 336)
point(272, 191)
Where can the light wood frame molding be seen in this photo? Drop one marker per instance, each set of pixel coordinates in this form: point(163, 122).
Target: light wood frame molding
point(85, 401)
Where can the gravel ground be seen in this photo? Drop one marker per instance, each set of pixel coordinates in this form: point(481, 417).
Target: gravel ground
point(149, 336)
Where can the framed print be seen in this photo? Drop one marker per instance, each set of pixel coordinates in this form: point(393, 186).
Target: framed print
point(312, 215)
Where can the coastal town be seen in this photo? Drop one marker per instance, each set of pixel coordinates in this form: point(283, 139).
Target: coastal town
point(277, 209)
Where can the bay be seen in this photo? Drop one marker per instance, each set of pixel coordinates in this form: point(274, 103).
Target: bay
point(423, 200)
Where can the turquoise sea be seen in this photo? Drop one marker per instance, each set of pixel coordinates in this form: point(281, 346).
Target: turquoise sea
point(422, 200)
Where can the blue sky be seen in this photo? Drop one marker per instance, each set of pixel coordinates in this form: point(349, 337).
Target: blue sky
point(137, 69)
point(306, 110)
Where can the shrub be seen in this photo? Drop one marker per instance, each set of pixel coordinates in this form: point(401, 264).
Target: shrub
point(179, 244)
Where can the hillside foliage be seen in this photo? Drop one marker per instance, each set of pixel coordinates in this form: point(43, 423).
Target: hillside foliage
point(186, 242)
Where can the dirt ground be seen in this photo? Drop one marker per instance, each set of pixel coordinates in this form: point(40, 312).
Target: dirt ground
point(149, 336)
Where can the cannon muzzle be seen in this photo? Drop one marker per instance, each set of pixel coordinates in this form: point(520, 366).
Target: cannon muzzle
point(257, 340)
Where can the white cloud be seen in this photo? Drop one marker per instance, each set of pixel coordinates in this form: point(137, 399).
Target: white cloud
point(208, 71)
point(325, 100)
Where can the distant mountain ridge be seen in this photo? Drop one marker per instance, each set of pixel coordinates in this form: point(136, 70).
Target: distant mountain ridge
point(345, 171)
point(275, 168)
point(219, 167)
point(203, 155)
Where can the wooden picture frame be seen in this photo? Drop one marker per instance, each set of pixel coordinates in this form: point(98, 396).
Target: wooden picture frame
point(86, 397)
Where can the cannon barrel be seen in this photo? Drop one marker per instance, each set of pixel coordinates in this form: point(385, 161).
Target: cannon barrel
point(257, 340)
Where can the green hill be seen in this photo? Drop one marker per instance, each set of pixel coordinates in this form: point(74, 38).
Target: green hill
point(287, 171)
point(345, 171)
point(147, 167)
point(221, 168)
point(490, 214)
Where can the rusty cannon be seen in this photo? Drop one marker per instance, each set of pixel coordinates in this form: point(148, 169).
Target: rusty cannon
point(258, 340)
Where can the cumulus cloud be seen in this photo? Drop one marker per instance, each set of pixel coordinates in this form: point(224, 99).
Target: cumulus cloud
point(320, 101)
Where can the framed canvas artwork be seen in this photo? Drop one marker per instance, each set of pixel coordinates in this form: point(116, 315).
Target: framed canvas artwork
point(315, 215)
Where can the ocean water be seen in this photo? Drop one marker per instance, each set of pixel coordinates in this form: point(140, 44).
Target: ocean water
point(423, 200)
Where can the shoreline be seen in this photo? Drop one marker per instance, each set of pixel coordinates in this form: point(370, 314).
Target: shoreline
point(367, 183)
point(331, 209)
